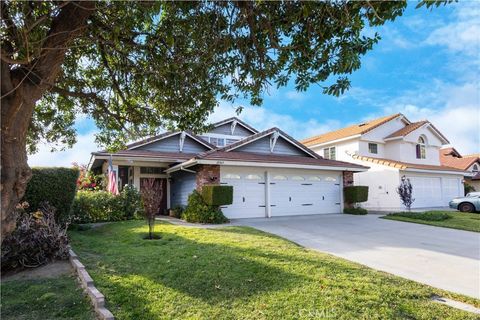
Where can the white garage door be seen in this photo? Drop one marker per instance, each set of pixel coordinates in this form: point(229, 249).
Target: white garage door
point(427, 191)
point(292, 192)
point(248, 192)
point(452, 188)
point(303, 194)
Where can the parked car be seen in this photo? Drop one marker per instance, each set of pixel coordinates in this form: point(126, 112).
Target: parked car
point(469, 203)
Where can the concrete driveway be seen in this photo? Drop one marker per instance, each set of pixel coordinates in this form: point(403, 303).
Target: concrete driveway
point(444, 258)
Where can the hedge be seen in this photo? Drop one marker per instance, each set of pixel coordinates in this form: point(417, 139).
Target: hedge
point(101, 206)
point(55, 185)
point(199, 211)
point(355, 194)
point(356, 211)
point(215, 195)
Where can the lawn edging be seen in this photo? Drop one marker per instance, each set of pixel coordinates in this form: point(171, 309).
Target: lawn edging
point(96, 297)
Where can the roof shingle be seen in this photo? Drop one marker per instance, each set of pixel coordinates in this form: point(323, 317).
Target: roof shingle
point(407, 129)
point(404, 165)
point(349, 131)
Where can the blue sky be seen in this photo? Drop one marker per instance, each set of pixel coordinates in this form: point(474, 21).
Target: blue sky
point(426, 66)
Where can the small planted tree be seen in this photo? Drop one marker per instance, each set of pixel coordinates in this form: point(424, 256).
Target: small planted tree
point(405, 191)
point(152, 193)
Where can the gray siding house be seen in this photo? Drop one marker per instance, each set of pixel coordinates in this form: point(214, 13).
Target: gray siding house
point(272, 174)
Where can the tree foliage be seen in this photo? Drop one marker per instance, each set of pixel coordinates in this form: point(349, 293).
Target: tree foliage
point(141, 66)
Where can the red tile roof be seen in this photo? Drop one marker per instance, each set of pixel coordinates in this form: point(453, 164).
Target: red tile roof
point(404, 165)
point(407, 129)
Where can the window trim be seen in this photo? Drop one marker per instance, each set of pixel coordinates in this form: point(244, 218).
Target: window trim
point(420, 148)
point(328, 151)
point(370, 145)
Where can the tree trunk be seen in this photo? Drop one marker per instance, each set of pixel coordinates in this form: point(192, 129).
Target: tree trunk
point(20, 91)
point(16, 114)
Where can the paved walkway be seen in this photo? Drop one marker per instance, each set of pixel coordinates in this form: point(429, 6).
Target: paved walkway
point(444, 258)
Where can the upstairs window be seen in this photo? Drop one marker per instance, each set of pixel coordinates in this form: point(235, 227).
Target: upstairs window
point(420, 148)
point(373, 148)
point(475, 168)
point(329, 153)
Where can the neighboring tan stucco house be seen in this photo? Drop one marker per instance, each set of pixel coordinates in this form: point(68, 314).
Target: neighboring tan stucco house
point(394, 147)
point(272, 173)
point(469, 163)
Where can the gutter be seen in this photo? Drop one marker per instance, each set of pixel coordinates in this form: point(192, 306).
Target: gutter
point(262, 164)
point(434, 171)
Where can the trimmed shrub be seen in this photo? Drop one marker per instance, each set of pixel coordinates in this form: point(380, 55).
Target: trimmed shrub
point(355, 194)
point(37, 239)
point(199, 211)
point(57, 186)
point(356, 211)
point(100, 206)
point(425, 216)
point(216, 195)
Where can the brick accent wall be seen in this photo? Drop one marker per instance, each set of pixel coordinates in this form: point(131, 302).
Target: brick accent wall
point(207, 174)
point(347, 178)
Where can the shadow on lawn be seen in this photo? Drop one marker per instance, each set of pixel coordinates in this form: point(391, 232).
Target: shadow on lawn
point(209, 271)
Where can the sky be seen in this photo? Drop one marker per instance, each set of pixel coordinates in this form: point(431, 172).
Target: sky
point(427, 66)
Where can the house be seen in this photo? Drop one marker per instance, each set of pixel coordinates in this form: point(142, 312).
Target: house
point(468, 163)
point(394, 147)
point(272, 173)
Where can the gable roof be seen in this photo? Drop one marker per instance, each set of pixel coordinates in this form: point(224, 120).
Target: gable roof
point(463, 163)
point(167, 135)
point(263, 134)
point(405, 165)
point(353, 130)
point(450, 151)
point(407, 129)
point(240, 122)
point(414, 126)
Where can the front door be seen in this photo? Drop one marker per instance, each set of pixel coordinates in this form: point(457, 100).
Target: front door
point(162, 193)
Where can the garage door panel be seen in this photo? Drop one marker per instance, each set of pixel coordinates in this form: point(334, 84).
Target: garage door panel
point(302, 194)
point(434, 191)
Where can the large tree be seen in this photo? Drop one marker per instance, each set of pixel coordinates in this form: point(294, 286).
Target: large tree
point(134, 67)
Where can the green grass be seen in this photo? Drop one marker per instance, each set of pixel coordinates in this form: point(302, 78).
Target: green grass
point(241, 273)
point(455, 220)
point(56, 298)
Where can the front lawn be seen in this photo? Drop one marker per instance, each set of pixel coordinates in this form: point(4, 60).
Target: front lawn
point(447, 219)
point(241, 273)
point(55, 298)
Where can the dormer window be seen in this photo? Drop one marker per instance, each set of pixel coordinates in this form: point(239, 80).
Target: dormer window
point(420, 148)
point(475, 168)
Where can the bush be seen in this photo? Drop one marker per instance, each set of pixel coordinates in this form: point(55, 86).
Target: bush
point(357, 211)
point(37, 239)
point(57, 186)
point(355, 194)
point(99, 206)
point(425, 216)
point(176, 211)
point(216, 195)
point(200, 212)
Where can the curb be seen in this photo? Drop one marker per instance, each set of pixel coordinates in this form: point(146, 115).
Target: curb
point(96, 297)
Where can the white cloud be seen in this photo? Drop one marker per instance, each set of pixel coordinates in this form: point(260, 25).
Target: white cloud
point(456, 112)
point(79, 153)
point(462, 35)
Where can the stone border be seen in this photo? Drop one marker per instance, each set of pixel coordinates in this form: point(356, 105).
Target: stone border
point(96, 297)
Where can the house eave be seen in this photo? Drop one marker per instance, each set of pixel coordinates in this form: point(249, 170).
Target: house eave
point(335, 141)
point(434, 171)
point(262, 164)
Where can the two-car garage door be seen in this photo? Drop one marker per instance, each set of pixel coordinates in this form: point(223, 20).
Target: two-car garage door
point(288, 192)
point(434, 191)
